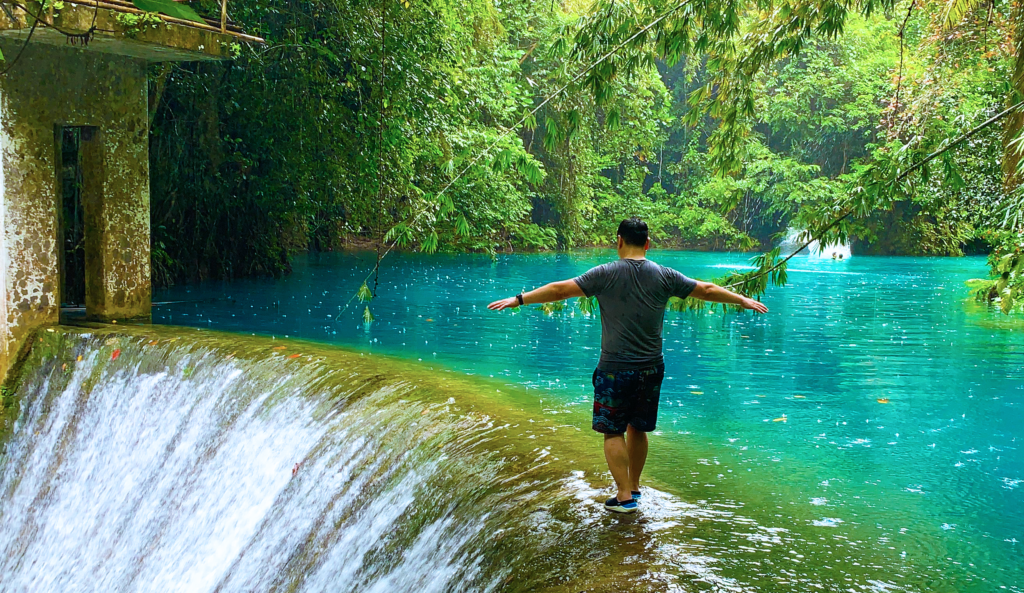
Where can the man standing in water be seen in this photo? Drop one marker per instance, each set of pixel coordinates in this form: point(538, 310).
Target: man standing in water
point(632, 293)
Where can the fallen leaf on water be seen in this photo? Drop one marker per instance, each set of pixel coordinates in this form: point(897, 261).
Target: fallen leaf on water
point(115, 354)
point(64, 367)
point(295, 356)
point(745, 336)
point(883, 400)
point(425, 411)
point(800, 396)
point(430, 320)
point(697, 392)
point(780, 419)
point(153, 343)
point(79, 359)
point(279, 347)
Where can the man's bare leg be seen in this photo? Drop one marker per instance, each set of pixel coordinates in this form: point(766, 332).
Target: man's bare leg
point(618, 461)
point(636, 449)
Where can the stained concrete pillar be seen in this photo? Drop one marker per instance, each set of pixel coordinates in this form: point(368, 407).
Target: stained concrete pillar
point(53, 87)
point(100, 86)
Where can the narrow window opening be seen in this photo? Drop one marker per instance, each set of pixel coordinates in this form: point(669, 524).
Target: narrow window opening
point(72, 220)
point(79, 187)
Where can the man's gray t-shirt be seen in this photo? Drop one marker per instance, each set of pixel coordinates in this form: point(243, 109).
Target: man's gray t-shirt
point(633, 294)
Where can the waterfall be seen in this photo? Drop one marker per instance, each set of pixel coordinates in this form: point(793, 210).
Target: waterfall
point(795, 238)
point(142, 460)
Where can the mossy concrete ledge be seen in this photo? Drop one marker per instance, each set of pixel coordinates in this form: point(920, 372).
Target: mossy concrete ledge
point(114, 29)
point(95, 85)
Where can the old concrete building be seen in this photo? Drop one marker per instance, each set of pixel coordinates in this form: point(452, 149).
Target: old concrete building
point(74, 179)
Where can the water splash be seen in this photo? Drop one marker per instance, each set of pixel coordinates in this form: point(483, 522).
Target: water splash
point(177, 468)
point(205, 462)
point(796, 237)
point(204, 465)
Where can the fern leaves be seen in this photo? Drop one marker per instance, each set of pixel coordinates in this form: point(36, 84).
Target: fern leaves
point(955, 10)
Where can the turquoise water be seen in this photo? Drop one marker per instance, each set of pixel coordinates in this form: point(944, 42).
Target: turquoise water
point(774, 417)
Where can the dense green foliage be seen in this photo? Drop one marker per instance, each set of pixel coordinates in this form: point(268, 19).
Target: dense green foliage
point(1006, 287)
point(441, 125)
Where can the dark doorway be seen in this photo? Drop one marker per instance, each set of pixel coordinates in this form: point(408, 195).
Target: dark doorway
point(80, 195)
point(72, 218)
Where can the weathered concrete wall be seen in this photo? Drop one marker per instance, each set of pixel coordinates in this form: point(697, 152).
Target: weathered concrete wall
point(65, 86)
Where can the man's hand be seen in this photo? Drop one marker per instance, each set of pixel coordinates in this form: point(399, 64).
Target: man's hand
point(509, 303)
point(752, 305)
point(713, 293)
point(556, 291)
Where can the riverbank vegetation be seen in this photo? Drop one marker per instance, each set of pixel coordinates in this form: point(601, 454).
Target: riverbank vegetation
point(424, 125)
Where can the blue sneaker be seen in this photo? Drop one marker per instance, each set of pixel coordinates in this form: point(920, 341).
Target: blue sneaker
point(636, 496)
point(614, 505)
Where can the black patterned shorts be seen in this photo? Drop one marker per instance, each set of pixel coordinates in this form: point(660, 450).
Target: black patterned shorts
point(623, 398)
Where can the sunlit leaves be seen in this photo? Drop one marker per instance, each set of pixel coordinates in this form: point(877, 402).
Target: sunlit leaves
point(429, 244)
point(954, 11)
point(587, 305)
point(1006, 287)
point(552, 134)
point(530, 169)
point(1009, 212)
point(364, 293)
point(178, 10)
point(613, 119)
point(552, 307)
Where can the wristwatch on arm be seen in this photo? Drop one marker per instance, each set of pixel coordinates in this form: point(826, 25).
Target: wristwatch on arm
point(519, 297)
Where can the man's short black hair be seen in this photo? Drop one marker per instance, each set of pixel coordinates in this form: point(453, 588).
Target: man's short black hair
point(633, 232)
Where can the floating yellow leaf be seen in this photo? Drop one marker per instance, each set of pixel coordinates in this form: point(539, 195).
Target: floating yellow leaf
point(430, 320)
point(79, 359)
point(748, 337)
point(697, 392)
point(780, 419)
point(295, 356)
point(799, 396)
point(883, 400)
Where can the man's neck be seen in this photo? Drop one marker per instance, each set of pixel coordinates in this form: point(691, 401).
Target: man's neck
point(633, 254)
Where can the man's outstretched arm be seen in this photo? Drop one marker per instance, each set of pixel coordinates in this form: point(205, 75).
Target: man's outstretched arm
point(707, 291)
point(556, 291)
